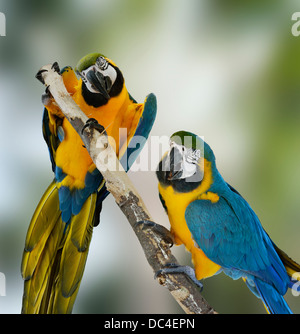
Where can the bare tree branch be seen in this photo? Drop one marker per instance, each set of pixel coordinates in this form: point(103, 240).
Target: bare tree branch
point(151, 236)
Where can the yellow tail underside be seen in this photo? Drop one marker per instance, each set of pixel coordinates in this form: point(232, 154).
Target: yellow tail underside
point(54, 260)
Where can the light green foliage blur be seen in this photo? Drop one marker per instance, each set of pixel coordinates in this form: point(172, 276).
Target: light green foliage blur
point(226, 70)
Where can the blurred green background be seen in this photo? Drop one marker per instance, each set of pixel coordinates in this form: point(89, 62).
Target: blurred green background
point(226, 70)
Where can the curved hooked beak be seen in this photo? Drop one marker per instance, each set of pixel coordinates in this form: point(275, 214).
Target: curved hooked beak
point(175, 166)
point(174, 162)
point(100, 83)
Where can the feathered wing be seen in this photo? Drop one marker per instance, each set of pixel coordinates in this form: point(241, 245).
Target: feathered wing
point(291, 266)
point(50, 127)
point(53, 120)
point(142, 117)
point(230, 234)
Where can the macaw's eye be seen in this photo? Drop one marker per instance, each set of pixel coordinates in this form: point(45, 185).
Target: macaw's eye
point(102, 63)
point(105, 69)
point(99, 80)
point(193, 156)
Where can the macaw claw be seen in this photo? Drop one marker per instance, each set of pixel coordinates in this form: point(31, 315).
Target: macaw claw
point(93, 123)
point(40, 77)
point(163, 232)
point(172, 268)
point(55, 67)
point(46, 97)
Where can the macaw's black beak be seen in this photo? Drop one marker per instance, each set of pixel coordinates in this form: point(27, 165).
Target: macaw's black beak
point(100, 83)
point(175, 161)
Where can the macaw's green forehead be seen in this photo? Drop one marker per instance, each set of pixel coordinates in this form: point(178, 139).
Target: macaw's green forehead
point(187, 139)
point(87, 61)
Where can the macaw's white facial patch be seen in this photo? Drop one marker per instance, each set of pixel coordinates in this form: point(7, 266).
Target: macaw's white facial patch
point(106, 70)
point(187, 160)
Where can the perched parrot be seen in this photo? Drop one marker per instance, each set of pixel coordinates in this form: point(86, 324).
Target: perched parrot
point(60, 231)
point(218, 226)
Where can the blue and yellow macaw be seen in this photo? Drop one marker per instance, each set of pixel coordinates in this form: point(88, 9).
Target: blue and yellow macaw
point(60, 231)
point(218, 226)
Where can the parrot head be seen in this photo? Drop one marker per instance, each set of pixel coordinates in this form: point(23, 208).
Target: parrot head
point(101, 79)
point(183, 165)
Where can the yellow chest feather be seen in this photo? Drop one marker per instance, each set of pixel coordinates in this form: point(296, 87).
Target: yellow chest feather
point(176, 204)
point(71, 155)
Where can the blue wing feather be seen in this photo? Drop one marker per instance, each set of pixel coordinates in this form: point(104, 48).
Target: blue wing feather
point(231, 235)
point(142, 131)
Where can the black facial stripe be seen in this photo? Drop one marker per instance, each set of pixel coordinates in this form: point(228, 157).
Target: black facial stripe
point(118, 84)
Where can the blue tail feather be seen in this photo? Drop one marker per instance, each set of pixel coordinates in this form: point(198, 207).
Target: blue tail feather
point(272, 299)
